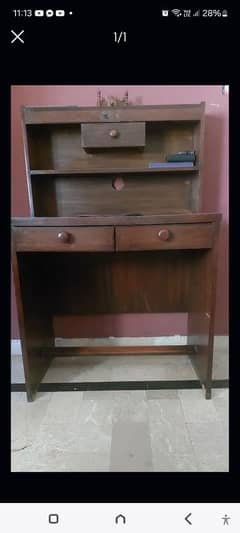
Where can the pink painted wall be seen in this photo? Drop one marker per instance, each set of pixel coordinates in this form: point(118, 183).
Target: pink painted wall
point(215, 190)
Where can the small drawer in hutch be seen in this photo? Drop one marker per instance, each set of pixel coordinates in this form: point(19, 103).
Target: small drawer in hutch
point(113, 135)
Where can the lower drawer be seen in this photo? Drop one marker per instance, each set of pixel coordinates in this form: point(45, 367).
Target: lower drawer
point(57, 239)
point(162, 237)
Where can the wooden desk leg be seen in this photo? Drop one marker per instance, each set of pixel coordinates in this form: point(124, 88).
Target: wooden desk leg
point(35, 323)
point(202, 316)
point(35, 335)
point(200, 337)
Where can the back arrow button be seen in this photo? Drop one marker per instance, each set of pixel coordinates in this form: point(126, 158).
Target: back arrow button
point(187, 517)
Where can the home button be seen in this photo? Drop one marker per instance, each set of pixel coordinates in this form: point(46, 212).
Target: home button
point(120, 519)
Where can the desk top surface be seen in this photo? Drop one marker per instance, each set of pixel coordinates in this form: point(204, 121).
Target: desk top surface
point(121, 220)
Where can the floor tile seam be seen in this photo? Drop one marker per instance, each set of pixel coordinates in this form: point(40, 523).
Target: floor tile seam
point(187, 430)
point(198, 462)
point(122, 404)
point(162, 422)
point(153, 422)
point(150, 440)
point(153, 452)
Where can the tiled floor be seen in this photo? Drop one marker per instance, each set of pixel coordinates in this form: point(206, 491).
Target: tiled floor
point(154, 430)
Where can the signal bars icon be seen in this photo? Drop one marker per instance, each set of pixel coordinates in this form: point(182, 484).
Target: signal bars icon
point(197, 13)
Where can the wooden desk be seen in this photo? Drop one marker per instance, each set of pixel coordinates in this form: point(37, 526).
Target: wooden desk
point(112, 260)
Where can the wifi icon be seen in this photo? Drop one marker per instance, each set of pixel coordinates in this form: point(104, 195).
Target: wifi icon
point(177, 12)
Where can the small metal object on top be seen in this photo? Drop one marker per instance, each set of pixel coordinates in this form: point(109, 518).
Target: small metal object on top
point(112, 101)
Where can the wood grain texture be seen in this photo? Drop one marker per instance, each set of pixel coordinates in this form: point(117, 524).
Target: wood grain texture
point(117, 220)
point(104, 171)
point(152, 281)
point(35, 320)
point(198, 143)
point(122, 282)
point(180, 236)
point(81, 195)
point(59, 147)
point(162, 252)
point(76, 114)
point(26, 148)
point(121, 350)
point(202, 317)
point(78, 239)
point(80, 142)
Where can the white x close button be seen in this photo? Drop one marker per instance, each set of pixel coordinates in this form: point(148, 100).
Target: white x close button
point(17, 36)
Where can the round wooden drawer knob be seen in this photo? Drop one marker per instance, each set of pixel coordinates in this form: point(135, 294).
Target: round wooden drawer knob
point(114, 133)
point(64, 236)
point(164, 234)
point(118, 183)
